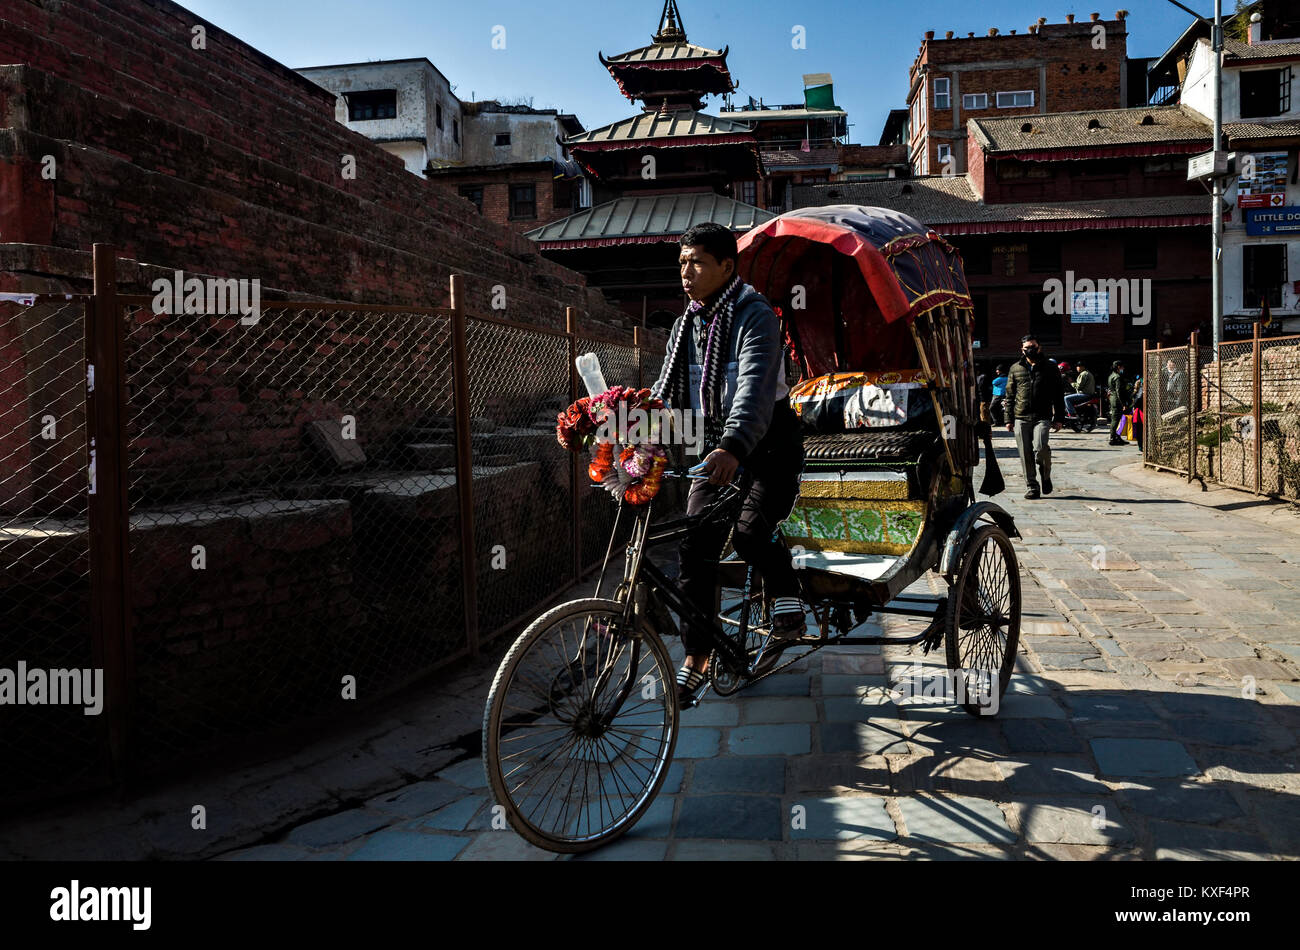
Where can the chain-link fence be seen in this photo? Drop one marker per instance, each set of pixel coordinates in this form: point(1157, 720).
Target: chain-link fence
point(294, 521)
point(1244, 408)
point(1166, 393)
point(49, 744)
point(291, 502)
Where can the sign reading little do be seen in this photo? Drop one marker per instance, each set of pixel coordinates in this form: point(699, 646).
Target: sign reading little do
point(1263, 221)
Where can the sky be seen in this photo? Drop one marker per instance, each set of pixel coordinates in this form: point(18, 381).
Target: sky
point(550, 48)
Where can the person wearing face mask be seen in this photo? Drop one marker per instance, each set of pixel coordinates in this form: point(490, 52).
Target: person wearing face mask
point(1034, 403)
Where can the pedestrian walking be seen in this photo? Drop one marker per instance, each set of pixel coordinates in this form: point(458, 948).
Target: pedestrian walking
point(1034, 403)
point(1120, 398)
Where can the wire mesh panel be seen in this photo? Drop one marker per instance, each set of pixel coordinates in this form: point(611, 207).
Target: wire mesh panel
point(523, 516)
point(1168, 400)
point(294, 535)
point(48, 676)
point(1279, 414)
point(1225, 432)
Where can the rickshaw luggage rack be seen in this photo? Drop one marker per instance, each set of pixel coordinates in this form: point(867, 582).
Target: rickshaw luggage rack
point(582, 717)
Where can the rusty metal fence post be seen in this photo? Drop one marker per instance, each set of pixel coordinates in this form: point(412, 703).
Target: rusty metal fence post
point(464, 462)
point(1193, 398)
point(107, 511)
point(1257, 416)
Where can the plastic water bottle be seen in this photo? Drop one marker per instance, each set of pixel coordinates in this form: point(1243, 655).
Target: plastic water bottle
point(589, 369)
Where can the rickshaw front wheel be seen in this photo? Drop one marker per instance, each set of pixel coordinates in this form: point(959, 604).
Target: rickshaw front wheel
point(982, 628)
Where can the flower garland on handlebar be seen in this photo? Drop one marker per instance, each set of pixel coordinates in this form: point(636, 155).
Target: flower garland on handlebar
point(637, 473)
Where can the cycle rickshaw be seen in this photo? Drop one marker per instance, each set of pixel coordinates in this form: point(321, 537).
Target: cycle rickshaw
point(582, 717)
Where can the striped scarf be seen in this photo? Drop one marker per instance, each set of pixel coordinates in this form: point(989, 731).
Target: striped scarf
point(717, 321)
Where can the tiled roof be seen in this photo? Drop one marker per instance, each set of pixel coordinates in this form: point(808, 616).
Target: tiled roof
point(1262, 130)
point(794, 156)
point(666, 216)
point(941, 200)
point(655, 125)
point(1236, 49)
point(661, 52)
point(1071, 130)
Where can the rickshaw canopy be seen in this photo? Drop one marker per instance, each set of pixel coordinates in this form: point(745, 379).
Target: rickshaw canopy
point(849, 280)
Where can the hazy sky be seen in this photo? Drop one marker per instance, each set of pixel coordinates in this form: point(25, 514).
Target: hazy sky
point(550, 47)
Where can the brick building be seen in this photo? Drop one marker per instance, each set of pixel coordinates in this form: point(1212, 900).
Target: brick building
point(1261, 116)
point(1054, 200)
point(515, 168)
point(800, 142)
point(1052, 67)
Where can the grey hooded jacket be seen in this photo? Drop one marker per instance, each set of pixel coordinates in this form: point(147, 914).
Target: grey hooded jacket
point(755, 378)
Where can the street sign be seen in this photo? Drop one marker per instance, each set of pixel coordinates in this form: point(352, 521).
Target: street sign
point(1088, 307)
point(1265, 185)
point(1265, 221)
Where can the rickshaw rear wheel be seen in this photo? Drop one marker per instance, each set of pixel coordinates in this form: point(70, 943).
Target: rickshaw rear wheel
point(982, 628)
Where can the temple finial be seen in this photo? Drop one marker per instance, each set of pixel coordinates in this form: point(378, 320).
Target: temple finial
point(671, 28)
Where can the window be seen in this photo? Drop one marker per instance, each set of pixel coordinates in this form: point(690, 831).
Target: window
point(941, 97)
point(975, 100)
point(438, 120)
point(475, 194)
point(1263, 274)
point(1265, 92)
point(523, 201)
point(1045, 326)
point(1044, 256)
point(502, 138)
point(944, 154)
point(977, 257)
point(1135, 333)
point(565, 194)
point(455, 131)
point(749, 192)
point(1015, 100)
point(375, 104)
point(1140, 253)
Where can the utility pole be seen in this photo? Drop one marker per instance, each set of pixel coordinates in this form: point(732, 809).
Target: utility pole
point(1217, 189)
point(1217, 226)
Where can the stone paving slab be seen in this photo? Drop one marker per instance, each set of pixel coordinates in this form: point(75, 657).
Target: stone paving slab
point(1154, 713)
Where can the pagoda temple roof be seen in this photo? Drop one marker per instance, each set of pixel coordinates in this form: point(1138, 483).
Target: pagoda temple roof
point(667, 54)
point(648, 219)
point(664, 128)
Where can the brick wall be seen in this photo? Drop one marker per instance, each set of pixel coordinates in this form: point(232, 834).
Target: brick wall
point(1064, 56)
point(1180, 283)
point(222, 161)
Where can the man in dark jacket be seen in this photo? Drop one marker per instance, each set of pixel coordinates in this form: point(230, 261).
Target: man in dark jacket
point(725, 362)
point(1120, 397)
point(1035, 401)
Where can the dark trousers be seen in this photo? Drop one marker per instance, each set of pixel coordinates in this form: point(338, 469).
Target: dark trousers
point(775, 464)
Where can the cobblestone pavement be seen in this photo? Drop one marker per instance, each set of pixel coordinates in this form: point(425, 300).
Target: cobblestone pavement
point(1154, 714)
